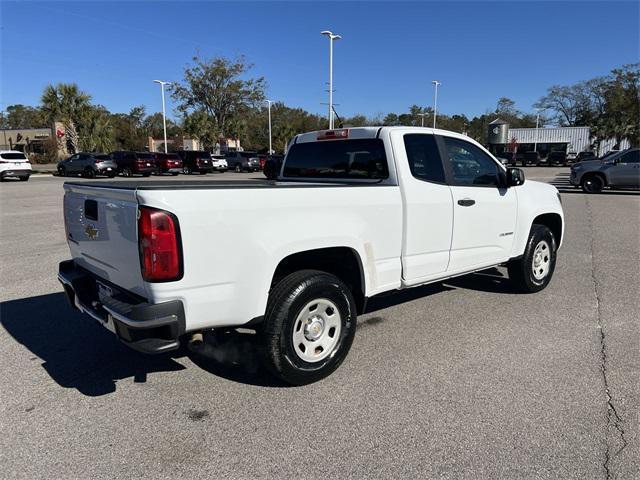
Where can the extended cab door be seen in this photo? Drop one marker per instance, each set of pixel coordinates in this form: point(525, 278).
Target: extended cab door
point(427, 205)
point(626, 171)
point(484, 212)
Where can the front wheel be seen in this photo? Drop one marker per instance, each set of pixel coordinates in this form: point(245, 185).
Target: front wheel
point(238, 168)
point(533, 271)
point(592, 184)
point(126, 172)
point(186, 170)
point(308, 327)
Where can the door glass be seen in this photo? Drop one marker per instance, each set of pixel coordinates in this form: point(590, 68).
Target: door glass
point(423, 157)
point(470, 166)
point(631, 157)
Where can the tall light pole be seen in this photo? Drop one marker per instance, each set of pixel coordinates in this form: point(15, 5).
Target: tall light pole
point(422, 119)
point(436, 83)
point(269, 102)
point(332, 37)
point(535, 144)
point(164, 114)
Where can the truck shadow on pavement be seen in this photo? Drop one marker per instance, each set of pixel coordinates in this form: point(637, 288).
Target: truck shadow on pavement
point(79, 353)
point(76, 351)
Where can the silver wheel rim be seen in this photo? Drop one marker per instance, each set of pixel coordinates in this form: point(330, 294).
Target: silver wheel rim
point(541, 260)
point(316, 330)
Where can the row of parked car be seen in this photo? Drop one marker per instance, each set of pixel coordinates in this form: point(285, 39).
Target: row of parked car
point(129, 163)
point(535, 159)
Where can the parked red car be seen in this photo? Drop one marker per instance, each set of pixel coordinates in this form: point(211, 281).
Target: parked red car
point(168, 163)
point(131, 163)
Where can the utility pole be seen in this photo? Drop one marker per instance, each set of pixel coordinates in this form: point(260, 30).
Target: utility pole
point(436, 83)
point(164, 114)
point(269, 102)
point(332, 37)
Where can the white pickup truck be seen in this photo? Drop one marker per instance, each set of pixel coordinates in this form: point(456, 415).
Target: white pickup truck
point(353, 213)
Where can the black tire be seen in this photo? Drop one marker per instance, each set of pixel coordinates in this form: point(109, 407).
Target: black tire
point(286, 301)
point(175, 174)
point(24, 179)
point(146, 174)
point(203, 172)
point(521, 271)
point(126, 172)
point(186, 170)
point(63, 172)
point(592, 183)
point(238, 168)
point(111, 175)
point(89, 173)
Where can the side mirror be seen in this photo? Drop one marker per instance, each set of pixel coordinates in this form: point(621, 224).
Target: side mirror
point(515, 177)
point(270, 169)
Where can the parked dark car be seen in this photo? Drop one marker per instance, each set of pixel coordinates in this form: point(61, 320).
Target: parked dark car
point(557, 158)
point(243, 161)
point(585, 156)
point(134, 163)
point(508, 156)
point(168, 163)
point(272, 166)
point(88, 165)
point(195, 161)
point(530, 158)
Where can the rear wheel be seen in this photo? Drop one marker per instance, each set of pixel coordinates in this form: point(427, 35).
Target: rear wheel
point(203, 172)
point(533, 271)
point(309, 326)
point(186, 170)
point(592, 184)
point(63, 172)
point(126, 172)
point(89, 173)
point(238, 168)
point(24, 179)
point(146, 174)
point(175, 174)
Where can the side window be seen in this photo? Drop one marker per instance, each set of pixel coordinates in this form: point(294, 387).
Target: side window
point(424, 157)
point(631, 157)
point(470, 165)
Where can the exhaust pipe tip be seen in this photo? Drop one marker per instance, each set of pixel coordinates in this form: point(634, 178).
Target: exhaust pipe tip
point(196, 341)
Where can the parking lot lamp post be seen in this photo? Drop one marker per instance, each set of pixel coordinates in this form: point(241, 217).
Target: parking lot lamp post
point(422, 115)
point(269, 102)
point(164, 115)
point(332, 37)
point(436, 83)
point(535, 144)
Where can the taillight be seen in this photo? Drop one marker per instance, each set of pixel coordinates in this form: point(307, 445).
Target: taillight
point(159, 243)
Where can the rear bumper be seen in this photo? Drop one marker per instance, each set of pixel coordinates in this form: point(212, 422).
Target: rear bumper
point(145, 327)
point(14, 172)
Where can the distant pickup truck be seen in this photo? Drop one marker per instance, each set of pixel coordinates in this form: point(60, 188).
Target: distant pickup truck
point(353, 213)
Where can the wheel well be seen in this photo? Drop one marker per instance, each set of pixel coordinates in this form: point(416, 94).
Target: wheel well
point(343, 262)
point(553, 222)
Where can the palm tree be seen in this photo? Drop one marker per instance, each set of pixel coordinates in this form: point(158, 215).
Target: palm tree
point(97, 131)
point(65, 102)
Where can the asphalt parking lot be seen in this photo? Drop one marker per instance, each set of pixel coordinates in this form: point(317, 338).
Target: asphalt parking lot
point(463, 379)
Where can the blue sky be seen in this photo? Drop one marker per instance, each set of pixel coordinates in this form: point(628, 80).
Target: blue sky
point(385, 62)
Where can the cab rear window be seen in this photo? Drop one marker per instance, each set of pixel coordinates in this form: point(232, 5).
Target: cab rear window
point(362, 158)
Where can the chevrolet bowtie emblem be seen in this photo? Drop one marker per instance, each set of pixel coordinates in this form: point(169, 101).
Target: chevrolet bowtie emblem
point(91, 232)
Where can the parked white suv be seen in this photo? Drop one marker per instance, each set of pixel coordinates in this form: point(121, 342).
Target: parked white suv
point(353, 213)
point(14, 164)
point(219, 163)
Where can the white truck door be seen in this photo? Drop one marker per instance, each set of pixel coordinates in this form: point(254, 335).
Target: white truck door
point(484, 212)
point(427, 205)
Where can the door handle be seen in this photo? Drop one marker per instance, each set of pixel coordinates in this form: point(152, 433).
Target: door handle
point(466, 202)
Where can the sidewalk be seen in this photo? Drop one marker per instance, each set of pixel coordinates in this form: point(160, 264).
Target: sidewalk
point(44, 167)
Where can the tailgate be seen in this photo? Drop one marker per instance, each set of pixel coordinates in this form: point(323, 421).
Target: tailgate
point(102, 233)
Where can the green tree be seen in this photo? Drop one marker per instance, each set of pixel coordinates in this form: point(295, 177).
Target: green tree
point(23, 116)
point(621, 109)
point(218, 88)
point(95, 130)
point(65, 102)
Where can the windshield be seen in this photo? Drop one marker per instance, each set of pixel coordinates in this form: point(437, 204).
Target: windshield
point(348, 159)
